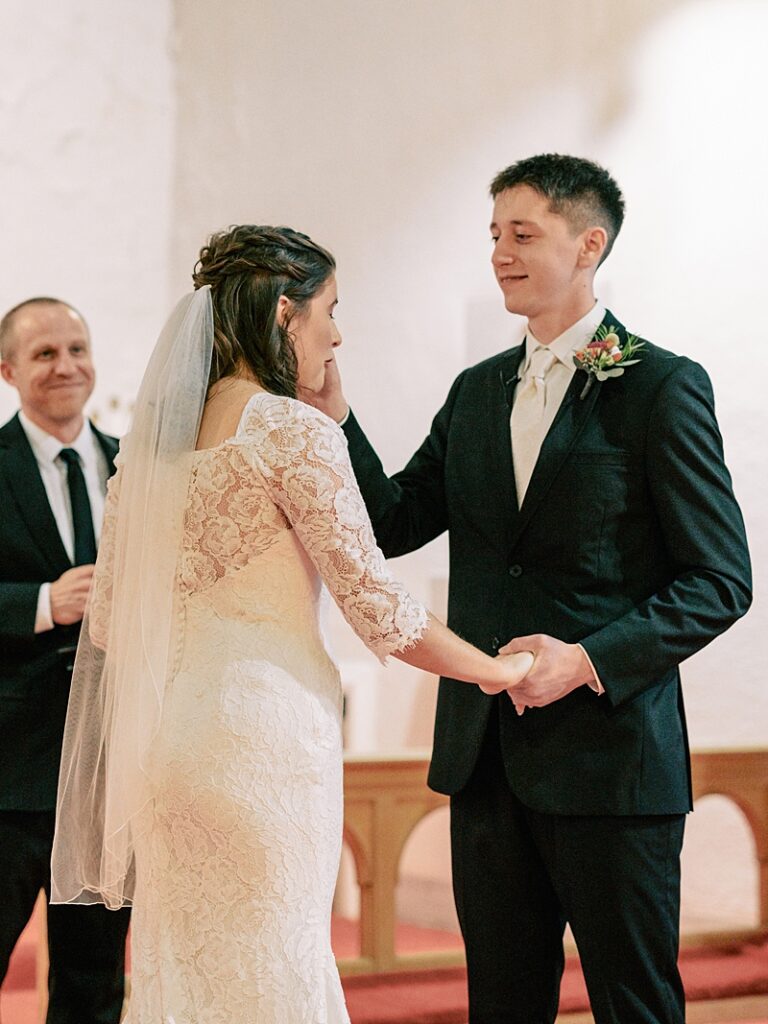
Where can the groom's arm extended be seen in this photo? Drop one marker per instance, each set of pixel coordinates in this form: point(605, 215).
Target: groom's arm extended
point(703, 530)
point(408, 509)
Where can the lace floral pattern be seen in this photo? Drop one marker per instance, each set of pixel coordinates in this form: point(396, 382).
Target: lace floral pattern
point(100, 597)
point(303, 481)
point(238, 850)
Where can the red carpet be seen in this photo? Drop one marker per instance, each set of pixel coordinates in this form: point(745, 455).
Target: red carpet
point(439, 997)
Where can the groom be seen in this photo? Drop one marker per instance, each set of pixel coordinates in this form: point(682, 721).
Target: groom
point(591, 517)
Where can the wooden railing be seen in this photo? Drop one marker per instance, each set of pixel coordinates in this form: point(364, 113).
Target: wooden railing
point(385, 798)
point(742, 776)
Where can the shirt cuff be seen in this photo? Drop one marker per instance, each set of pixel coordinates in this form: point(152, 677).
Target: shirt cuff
point(595, 684)
point(344, 418)
point(43, 615)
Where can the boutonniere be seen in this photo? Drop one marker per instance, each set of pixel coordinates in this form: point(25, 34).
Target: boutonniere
point(605, 356)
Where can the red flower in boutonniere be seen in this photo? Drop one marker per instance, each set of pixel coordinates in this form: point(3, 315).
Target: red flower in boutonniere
point(605, 356)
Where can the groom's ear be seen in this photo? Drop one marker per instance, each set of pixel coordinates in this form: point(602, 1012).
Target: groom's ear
point(283, 310)
point(593, 243)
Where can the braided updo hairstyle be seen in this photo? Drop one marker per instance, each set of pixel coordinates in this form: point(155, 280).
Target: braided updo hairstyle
point(248, 268)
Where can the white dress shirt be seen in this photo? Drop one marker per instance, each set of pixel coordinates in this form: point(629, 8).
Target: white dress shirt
point(54, 475)
point(560, 374)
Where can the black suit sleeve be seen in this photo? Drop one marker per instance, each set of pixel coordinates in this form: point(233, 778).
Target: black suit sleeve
point(703, 530)
point(408, 509)
point(18, 609)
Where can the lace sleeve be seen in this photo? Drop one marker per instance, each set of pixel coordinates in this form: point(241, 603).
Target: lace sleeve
point(303, 457)
point(100, 600)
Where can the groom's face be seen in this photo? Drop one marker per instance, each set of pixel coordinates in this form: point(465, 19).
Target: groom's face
point(536, 254)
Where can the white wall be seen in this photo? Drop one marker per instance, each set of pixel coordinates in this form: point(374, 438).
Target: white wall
point(86, 143)
point(376, 127)
point(692, 267)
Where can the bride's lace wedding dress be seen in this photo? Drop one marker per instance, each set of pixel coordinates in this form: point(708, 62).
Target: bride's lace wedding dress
point(239, 847)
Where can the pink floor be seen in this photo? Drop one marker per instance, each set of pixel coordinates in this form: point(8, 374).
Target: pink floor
point(439, 997)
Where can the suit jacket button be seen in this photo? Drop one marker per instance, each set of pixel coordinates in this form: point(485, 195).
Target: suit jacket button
point(495, 643)
point(515, 571)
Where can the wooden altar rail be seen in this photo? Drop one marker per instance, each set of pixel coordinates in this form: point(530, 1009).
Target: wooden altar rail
point(385, 798)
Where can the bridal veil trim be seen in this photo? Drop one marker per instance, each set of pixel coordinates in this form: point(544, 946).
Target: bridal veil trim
point(128, 638)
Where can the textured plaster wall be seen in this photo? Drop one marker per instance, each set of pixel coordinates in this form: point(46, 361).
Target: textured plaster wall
point(86, 142)
point(376, 128)
point(130, 130)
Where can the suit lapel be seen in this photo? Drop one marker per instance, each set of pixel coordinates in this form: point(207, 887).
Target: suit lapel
point(568, 424)
point(25, 485)
point(563, 434)
point(500, 392)
point(109, 446)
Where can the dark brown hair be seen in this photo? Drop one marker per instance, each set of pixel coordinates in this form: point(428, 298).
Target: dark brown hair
point(580, 190)
point(248, 268)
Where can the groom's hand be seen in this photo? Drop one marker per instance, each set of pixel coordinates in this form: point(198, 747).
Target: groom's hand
point(330, 398)
point(558, 668)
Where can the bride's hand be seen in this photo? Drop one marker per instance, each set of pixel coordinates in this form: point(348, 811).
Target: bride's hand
point(513, 669)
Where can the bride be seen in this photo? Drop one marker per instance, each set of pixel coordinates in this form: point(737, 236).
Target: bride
point(201, 776)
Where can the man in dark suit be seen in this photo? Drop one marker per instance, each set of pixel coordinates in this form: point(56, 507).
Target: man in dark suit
point(591, 517)
point(53, 471)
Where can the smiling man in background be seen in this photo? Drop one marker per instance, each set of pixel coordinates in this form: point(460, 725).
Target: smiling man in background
point(54, 467)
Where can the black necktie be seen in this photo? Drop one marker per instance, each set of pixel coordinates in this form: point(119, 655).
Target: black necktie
point(82, 520)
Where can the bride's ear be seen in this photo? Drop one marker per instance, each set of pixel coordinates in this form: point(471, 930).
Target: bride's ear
point(283, 311)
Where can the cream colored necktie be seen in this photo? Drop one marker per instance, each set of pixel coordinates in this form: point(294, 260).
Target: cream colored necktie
point(527, 423)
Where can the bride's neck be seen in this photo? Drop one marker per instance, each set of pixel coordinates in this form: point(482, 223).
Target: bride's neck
point(236, 382)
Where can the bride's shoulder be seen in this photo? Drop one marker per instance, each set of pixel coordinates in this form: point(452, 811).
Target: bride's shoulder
point(265, 413)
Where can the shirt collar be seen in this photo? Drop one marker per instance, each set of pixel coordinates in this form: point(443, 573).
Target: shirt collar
point(46, 447)
point(572, 339)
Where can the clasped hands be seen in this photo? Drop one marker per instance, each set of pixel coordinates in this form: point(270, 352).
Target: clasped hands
point(538, 669)
point(541, 670)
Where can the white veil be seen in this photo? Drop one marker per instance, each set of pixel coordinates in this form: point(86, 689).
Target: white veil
point(128, 636)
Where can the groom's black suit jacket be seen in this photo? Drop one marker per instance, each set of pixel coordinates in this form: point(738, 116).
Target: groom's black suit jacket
point(35, 669)
point(629, 541)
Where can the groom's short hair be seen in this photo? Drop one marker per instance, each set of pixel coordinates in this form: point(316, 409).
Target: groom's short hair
point(579, 190)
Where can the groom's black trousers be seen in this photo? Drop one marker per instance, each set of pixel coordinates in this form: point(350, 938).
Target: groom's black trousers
point(519, 875)
point(86, 944)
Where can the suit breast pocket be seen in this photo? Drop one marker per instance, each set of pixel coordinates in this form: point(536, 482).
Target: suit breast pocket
point(593, 491)
point(617, 459)
point(599, 480)
point(589, 478)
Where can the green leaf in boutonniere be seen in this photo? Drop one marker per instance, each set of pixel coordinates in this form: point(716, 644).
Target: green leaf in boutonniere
point(605, 356)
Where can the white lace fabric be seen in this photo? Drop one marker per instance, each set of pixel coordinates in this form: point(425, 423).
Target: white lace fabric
point(237, 851)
